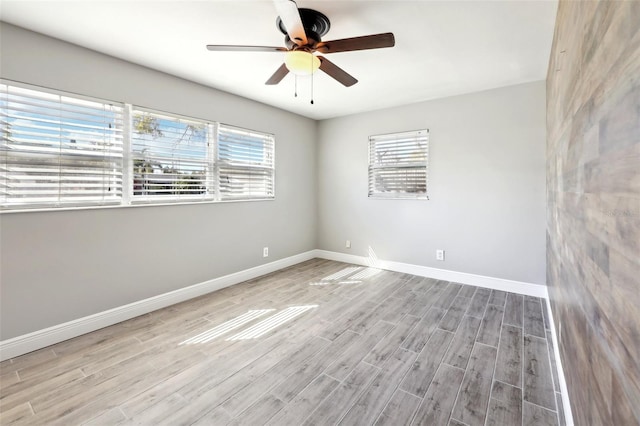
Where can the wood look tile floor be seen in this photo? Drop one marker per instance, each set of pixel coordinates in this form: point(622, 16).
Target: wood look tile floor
point(321, 342)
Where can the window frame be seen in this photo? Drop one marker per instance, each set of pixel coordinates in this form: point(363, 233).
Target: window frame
point(72, 101)
point(126, 161)
point(271, 168)
point(209, 182)
point(398, 138)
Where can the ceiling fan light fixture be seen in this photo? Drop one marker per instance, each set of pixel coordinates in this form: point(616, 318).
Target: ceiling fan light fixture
point(300, 62)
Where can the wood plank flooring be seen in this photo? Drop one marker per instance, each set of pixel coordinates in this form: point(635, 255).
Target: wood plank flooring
point(319, 343)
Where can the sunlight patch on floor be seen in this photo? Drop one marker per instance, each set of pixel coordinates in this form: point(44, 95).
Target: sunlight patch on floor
point(342, 274)
point(350, 275)
point(272, 322)
point(365, 273)
point(226, 327)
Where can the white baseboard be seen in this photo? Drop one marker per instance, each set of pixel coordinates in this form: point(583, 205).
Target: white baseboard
point(20, 345)
point(519, 287)
point(566, 404)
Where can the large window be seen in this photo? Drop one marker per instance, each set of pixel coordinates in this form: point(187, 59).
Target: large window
point(398, 164)
point(58, 150)
point(64, 151)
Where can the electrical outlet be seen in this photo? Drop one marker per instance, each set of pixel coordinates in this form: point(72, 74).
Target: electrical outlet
point(439, 254)
point(348, 244)
point(265, 252)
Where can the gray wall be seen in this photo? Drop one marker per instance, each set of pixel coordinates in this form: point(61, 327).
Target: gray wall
point(486, 180)
point(58, 266)
point(487, 189)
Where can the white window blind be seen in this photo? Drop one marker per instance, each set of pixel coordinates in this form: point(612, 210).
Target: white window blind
point(398, 165)
point(245, 163)
point(61, 150)
point(58, 150)
point(172, 158)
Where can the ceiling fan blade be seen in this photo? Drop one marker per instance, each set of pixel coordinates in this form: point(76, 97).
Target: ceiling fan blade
point(336, 72)
point(231, 48)
point(290, 16)
point(374, 41)
point(278, 75)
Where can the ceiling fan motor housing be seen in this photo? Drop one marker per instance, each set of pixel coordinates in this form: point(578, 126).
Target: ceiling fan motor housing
point(315, 25)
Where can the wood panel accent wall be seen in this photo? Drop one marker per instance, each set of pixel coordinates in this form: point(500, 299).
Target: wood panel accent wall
point(593, 201)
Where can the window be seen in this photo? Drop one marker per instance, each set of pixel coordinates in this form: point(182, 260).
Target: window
point(58, 150)
point(245, 163)
point(398, 165)
point(65, 151)
point(172, 158)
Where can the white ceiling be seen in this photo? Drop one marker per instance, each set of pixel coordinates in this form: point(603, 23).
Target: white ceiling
point(443, 48)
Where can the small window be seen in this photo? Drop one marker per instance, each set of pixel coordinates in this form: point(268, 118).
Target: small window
point(245, 163)
point(172, 158)
point(398, 164)
point(58, 151)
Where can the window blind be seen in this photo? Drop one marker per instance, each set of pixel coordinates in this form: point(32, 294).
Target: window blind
point(398, 165)
point(245, 163)
point(61, 150)
point(172, 157)
point(58, 150)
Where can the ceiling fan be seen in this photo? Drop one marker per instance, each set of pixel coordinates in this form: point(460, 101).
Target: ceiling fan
point(303, 29)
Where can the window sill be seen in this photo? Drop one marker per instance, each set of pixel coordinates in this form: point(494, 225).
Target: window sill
point(396, 197)
point(136, 204)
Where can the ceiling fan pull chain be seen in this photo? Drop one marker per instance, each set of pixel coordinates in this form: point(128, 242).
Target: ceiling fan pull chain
point(295, 89)
point(312, 78)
